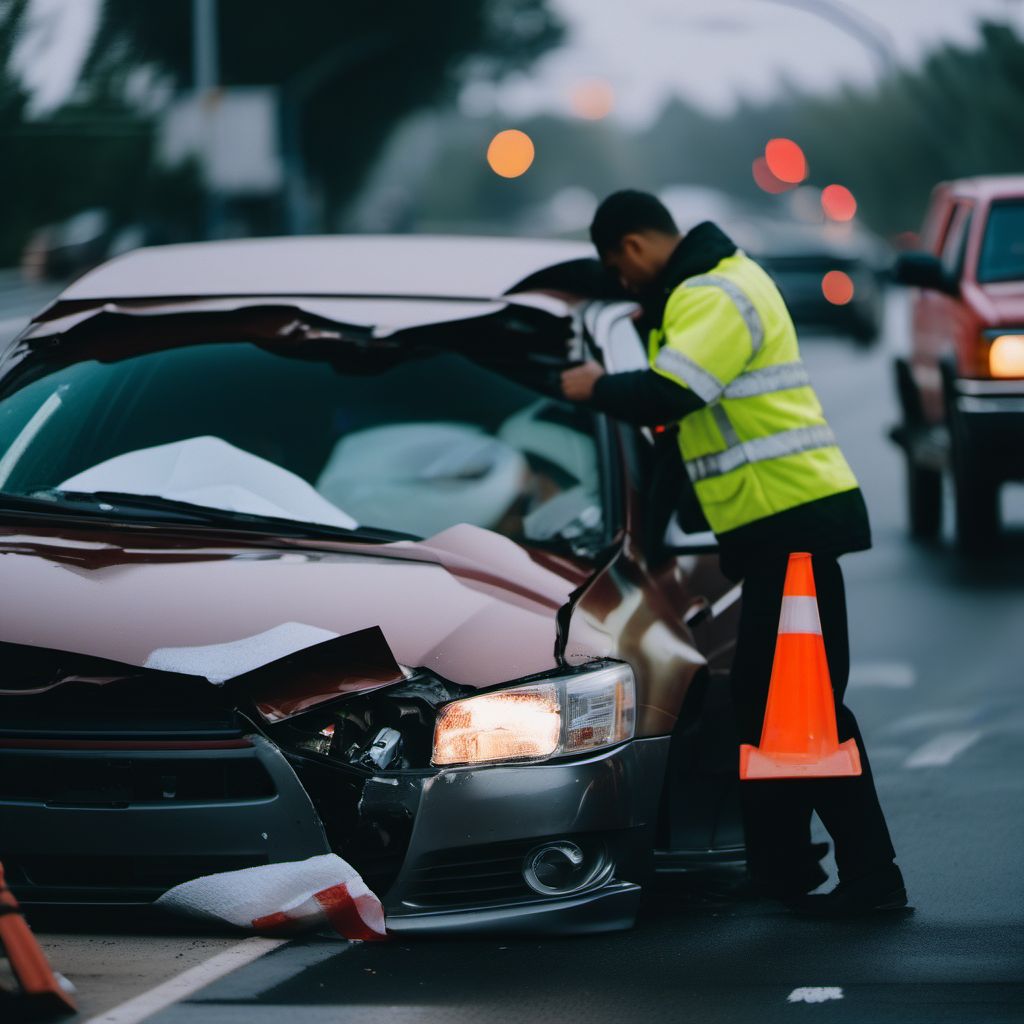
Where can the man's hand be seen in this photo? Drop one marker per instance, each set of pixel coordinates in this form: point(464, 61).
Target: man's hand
point(578, 383)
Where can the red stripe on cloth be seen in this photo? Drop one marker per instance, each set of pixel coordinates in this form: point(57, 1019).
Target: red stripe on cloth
point(343, 913)
point(278, 922)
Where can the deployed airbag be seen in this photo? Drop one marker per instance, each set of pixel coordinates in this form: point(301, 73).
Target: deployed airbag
point(209, 471)
point(281, 899)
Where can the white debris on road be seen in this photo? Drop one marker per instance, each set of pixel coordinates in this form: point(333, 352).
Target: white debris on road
point(282, 899)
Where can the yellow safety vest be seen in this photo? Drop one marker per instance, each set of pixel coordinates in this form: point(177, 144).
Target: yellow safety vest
point(761, 444)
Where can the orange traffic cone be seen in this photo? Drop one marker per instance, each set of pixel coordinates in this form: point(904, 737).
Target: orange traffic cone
point(41, 994)
point(799, 739)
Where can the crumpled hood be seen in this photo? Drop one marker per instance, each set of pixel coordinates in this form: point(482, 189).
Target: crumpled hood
point(468, 604)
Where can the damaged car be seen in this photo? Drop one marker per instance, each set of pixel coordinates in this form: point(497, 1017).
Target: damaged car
point(301, 551)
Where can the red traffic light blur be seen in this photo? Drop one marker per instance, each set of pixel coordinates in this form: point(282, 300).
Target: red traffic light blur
point(786, 160)
point(838, 203)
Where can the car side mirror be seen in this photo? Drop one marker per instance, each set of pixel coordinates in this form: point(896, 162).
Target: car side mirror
point(922, 270)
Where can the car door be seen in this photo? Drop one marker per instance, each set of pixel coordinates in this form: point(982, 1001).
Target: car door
point(608, 330)
point(938, 315)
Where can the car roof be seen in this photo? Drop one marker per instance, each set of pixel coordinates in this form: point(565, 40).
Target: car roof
point(986, 187)
point(421, 266)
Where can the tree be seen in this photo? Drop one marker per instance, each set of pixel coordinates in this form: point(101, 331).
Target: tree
point(376, 62)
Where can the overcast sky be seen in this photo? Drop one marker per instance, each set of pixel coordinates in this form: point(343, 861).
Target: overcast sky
point(710, 51)
point(714, 51)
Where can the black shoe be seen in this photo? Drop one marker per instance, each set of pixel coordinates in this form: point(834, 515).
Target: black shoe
point(792, 885)
point(877, 891)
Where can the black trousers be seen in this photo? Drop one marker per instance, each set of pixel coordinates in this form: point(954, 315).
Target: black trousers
point(777, 813)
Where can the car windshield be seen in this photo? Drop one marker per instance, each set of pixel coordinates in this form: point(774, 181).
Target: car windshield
point(417, 447)
point(1002, 250)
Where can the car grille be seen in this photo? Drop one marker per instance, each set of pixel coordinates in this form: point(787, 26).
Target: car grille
point(101, 779)
point(135, 873)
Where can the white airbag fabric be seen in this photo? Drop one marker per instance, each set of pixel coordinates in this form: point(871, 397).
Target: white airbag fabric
point(209, 471)
point(281, 899)
point(220, 662)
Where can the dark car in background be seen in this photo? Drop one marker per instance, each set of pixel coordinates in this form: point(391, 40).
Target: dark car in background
point(303, 552)
point(831, 274)
point(961, 390)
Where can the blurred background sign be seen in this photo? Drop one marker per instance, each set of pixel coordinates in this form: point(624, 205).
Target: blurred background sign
point(232, 134)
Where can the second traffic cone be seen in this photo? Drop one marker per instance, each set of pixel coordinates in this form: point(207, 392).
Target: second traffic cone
point(41, 993)
point(799, 738)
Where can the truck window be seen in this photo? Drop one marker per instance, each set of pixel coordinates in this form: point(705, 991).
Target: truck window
point(955, 245)
point(1002, 248)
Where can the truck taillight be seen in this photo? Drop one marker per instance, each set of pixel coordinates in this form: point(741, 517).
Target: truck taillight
point(1006, 356)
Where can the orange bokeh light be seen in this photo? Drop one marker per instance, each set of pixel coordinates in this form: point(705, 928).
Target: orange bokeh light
point(510, 153)
point(838, 203)
point(592, 99)
point(786, 160)
point(766, 180)
point(837, 287)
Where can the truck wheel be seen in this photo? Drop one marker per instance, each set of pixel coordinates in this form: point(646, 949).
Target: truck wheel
point(924, 500)
point(977, 511)
point(975, 488)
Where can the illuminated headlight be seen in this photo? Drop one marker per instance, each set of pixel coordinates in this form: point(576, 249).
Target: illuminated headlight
point(1006, 356)
point(540, 720)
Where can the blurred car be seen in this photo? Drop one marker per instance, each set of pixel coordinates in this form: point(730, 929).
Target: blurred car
point(304, 552)
point(830, 274)
point(962, 390)
point(63, 251)
point(57, 252)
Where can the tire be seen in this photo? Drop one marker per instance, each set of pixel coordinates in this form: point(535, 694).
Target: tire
point(975, 487)
point(924, 500)
point(976, 497)
point(924, 484)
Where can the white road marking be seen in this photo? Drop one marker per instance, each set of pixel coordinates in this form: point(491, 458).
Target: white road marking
point(890, 675)
point(814, 995)
point(943, 749)
point(937, 718)
point(185, 984)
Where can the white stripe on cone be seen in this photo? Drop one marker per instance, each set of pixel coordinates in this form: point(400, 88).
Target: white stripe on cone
point(280, 899)
point(799, 615)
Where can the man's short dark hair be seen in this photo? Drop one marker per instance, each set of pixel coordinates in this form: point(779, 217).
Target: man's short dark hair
point(625, 212)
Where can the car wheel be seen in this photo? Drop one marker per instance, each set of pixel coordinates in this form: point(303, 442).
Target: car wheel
point(977, 504)
point(924, 500)
point(924, 483)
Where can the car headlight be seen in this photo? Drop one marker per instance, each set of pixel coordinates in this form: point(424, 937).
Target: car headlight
point(539, 720)
point(1006, 356)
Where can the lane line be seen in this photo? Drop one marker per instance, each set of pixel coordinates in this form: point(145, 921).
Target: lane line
point(814, 994)
point(943, 749)
point(185, 984)
point(890, 675)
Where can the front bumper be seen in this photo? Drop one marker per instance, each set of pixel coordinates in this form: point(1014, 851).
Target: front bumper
point(61, 843)
point(461, 869)
point(991, 414)
point(474, 826)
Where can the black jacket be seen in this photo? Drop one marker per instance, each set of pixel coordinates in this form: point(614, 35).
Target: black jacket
point(832, 525)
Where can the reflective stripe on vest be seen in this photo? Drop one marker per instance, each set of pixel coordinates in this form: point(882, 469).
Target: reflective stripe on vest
point(703, 384)
point(769, 378)
point(760, 449)
point(750, 315)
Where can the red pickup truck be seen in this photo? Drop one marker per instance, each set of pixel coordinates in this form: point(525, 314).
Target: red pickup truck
point(962, 388)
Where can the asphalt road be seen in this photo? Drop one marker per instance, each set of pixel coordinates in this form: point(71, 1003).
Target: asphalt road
point(938, 649)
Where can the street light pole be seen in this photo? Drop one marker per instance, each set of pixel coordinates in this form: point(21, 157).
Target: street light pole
point(205, 81)
point(869, 33)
